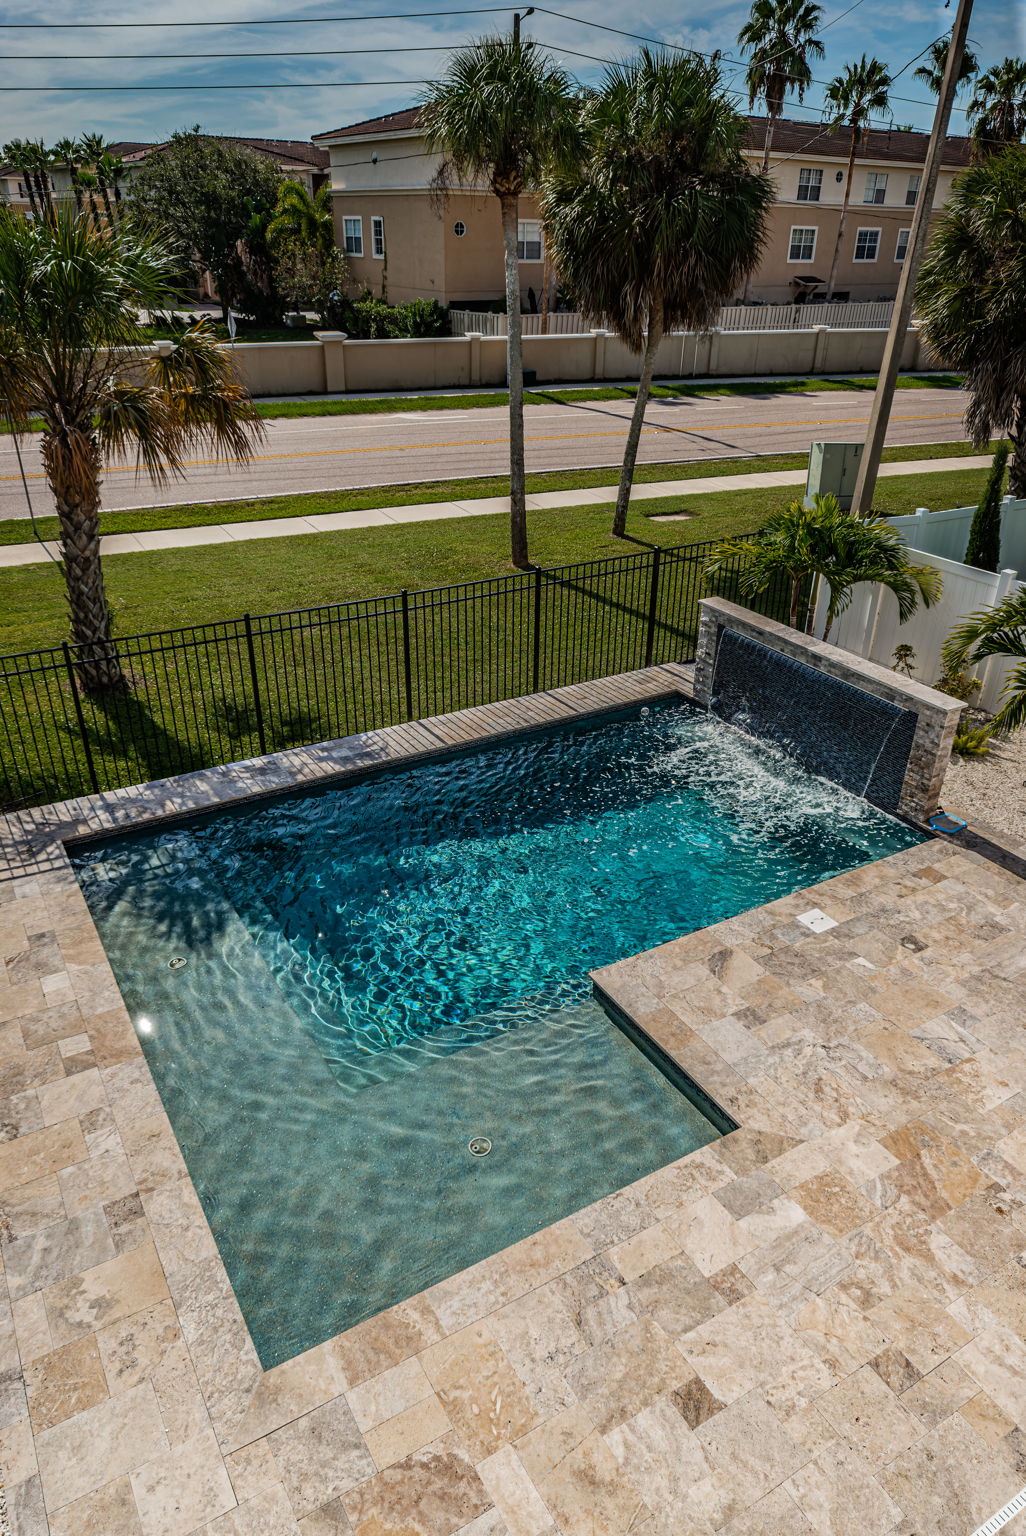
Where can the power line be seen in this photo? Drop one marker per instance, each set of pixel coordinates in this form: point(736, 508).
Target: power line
point(264, 21)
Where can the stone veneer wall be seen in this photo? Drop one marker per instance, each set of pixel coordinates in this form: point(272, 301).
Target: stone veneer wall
point(936, 713)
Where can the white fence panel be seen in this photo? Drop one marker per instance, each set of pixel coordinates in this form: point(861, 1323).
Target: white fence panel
point(736, 317)
point(947, 533)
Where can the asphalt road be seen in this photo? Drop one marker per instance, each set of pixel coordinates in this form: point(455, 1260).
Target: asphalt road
point(340, 452)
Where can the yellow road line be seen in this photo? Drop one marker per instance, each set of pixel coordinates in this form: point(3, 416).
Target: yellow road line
point(552, 437)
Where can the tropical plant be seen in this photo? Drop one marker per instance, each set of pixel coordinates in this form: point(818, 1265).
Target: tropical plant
point(931, 73)
point(804, 545)
point(997, 111)
point(997, 631)
point(302, 219)
point(853, 97)
point(95, 152)
point(971, 299)
point(501, 114)
point(984, 547)
point(70, 295)
point(972, 740)
point(67, 152)
point(960, 684)
point(308, 278)
point(663, 219)
point(903, 659)
point(19, 154)
point(779, 38)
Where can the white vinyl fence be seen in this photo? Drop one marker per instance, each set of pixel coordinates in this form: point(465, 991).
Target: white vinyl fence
point(947, 533)
point(737, 317)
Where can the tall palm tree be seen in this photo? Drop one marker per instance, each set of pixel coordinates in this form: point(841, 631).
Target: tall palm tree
point(779, 38)
point(997, 631)
point(500, 114)
point(109, 170)
point(70, 294)
point(970, 299)
point(663, 219)
point(931, 73)
point(306, 220)
point(805, 543)
point(18, 153)
point(40, 161)
point(66, 152)
point(853, 97)
point(95, 151)
point(997, 110)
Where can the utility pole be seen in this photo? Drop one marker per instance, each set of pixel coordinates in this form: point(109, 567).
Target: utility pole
point(879, 417)
point(516, 23)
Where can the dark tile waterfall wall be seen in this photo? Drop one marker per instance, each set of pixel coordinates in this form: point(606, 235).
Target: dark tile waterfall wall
point(829, 726)
point(853, 721)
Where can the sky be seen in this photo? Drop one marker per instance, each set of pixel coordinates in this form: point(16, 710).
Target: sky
point(389, 57)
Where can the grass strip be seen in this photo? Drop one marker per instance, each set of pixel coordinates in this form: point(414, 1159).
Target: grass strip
point(316, 503)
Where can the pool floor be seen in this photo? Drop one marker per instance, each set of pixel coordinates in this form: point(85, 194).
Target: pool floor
point(376, 974)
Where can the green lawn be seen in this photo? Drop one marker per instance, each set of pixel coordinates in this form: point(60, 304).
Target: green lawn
point(200, 514)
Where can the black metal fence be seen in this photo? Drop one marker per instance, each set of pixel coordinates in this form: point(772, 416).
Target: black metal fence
point(215, 693)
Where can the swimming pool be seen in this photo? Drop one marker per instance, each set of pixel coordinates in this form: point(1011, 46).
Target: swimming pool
point(376, 975)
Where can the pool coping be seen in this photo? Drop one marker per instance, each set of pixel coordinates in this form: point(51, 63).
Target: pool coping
point(448, 1396)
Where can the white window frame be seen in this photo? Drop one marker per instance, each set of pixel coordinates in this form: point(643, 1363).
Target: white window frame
point(810, 191)
point(868, 229)
point(877, 180)
point(804, 229)
point(378, 236)
point(356, 236)
point(523, 241)
point(915, 182)
point(899, 254)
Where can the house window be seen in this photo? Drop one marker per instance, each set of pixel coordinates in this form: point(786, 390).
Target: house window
point(803, 244)
point(912, 190)
point(378, 237)
point(810, 183)
point(529, 240)
point(867, 244)
point(459, 229)
point(352, 230)
point(876, 187)
point(901, 249)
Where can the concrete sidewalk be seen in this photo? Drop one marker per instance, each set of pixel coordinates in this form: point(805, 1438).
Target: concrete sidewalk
point(420, 512)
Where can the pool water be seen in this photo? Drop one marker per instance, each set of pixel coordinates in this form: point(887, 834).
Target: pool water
point(379, 973)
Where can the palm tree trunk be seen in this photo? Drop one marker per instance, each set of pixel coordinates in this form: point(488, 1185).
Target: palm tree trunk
point(543, 326)
point(630, 455)
point(771, 123)
point(1017, 462)
point(796, 597)
point(73, 473)
point(515, 373)
point(30, 187)
point(844, 214)
point(105, 194)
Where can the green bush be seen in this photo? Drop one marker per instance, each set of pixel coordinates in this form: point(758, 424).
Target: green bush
point(370, 318)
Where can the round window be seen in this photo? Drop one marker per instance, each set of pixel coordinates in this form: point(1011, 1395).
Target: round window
point(459, 229)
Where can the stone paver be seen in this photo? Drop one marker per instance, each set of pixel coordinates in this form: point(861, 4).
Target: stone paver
point(815, 1324)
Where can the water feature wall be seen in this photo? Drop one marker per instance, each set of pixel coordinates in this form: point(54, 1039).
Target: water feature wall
point(880, 735)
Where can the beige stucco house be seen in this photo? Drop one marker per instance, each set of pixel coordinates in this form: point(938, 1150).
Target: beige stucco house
point(401, 240)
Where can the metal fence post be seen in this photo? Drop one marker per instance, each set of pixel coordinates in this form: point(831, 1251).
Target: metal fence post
point(536, 660)
point(256, 684)
point(404, 598)
point(653, 599)
point(73, 681)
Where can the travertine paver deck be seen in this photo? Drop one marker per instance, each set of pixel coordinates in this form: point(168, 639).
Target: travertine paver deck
point(814, 1325)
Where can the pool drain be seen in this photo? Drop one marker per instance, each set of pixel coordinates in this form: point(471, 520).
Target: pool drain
point(479, 1146)
point(178, 963)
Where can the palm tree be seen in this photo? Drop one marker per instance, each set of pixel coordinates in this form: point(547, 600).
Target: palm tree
point(664, 219)
point(39, 162)
point(18, 153)
point(997, 110)
point(855, 95)
point(779, 39)
point(303, 219)
point(997, 631)
point(70, 294)
point(95, 150)
point(500, 114)
point(932, 72)
point(66, 152)
point(805, 543)
point(969, 299)
point(109, 170)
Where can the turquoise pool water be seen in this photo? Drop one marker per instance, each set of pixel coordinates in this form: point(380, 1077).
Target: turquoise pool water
point(378, 973)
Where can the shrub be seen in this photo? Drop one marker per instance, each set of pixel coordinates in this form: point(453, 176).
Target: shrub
point(984, 547)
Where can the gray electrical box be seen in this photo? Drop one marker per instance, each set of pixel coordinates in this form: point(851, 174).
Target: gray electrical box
point(833, 468)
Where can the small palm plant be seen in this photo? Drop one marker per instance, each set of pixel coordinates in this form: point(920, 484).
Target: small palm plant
point(301, 219)
point(997, 110)
point(970, 299)
point(663, 220)
point(853, 97)
point(820, 541)
point(500, 114)
point(779, 39)
point(997, 631)
point(70, 296)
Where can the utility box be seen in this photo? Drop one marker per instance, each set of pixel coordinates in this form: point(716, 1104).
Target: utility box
point(833, 469)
